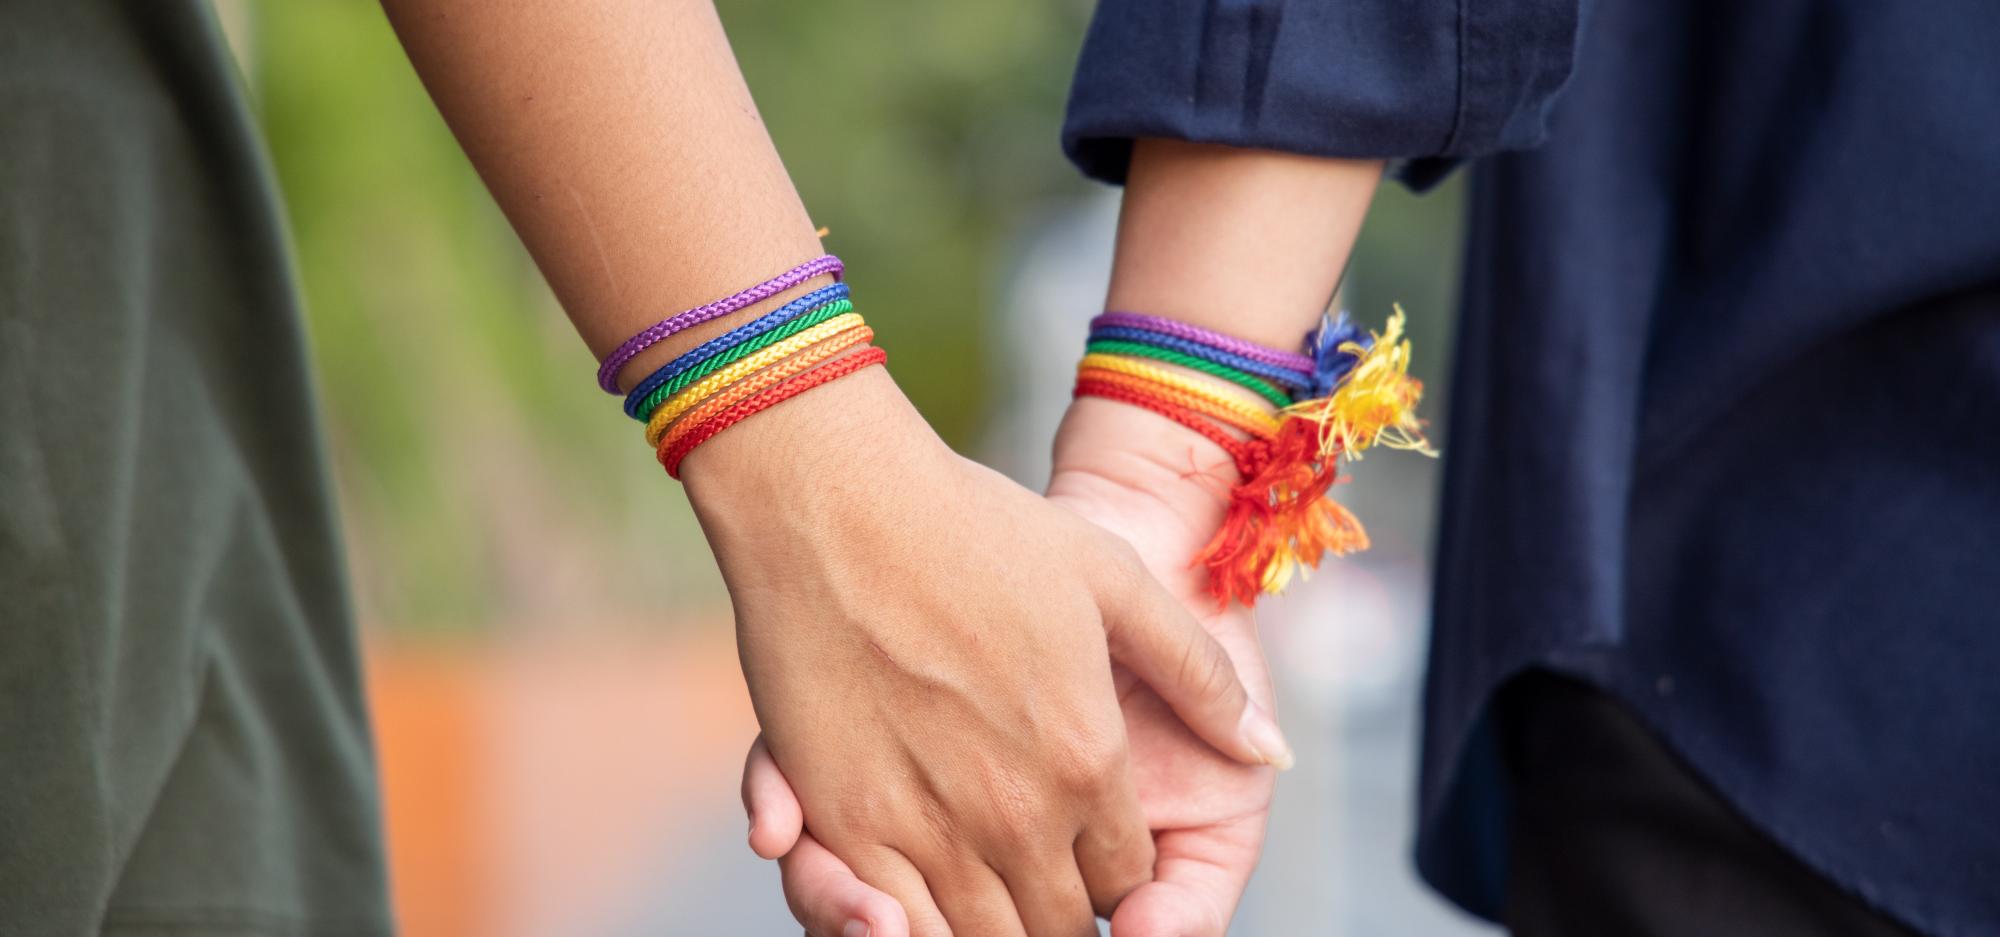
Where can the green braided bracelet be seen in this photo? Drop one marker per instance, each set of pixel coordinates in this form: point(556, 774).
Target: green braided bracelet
point(1250, 382)
point(734, 353)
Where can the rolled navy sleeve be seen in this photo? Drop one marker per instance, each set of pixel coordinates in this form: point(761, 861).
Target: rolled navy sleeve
point(1425, 83)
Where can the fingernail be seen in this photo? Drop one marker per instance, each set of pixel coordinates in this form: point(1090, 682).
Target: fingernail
point(1260, 732)
point(856, 929)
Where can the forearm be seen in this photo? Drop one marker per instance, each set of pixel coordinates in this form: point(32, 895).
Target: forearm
point(1250, 243)
point(621, 142)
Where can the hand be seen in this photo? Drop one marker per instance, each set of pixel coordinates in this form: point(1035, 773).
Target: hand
point(1128, 472)
point(1136, 475)
point(929, 650)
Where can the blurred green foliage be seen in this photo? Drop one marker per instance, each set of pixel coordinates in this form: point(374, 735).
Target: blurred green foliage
point(475, 458)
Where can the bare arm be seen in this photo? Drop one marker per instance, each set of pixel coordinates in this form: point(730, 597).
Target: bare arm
point(619, 138)
point(1247, 242)
point(1251, 243)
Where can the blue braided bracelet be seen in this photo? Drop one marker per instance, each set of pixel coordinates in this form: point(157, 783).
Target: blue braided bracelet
point(720, 343)
point(1205, 352)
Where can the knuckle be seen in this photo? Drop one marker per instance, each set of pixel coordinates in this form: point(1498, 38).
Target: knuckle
point(936, 826)
point(1106, 899)
point(1121, 874)
point(1017, 806)
point(1017, 810)
point(1126, 564)
point(1207, 672)
point(1088, 760)
point(1124, 554)
point(1022, 837)
point(856, 812)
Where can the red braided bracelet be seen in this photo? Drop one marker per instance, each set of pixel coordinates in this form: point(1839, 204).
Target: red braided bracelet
point(1238, 449)
point(670, 457)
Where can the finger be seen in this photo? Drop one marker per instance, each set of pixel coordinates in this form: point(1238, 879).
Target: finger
point(775, 817)
point(976, 902)
point(1152, 633)
point(1168, 909)
point(1050, 896)
point(1201, 875)
point(1114, 853)
point(892, 873)
point(829, 900)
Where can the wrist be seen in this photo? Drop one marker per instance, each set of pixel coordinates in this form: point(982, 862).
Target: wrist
point(1104, 444)
point(793, 469)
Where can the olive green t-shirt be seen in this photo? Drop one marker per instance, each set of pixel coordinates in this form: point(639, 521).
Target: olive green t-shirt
point(183, 746)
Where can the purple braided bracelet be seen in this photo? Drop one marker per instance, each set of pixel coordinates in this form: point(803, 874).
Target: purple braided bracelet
point(607, 373)
point(1195, 333)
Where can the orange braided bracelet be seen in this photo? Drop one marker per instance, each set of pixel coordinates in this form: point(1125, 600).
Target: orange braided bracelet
point(1241, 416)
point(1192, 419)
point(670, 458)
point(741, 390)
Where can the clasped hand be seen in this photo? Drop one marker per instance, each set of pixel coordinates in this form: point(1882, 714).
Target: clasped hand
point(956, 675)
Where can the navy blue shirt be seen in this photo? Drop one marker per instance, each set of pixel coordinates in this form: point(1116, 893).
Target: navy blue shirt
point(1725, 421)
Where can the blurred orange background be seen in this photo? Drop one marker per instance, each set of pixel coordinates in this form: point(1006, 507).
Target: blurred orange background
point(529, 783)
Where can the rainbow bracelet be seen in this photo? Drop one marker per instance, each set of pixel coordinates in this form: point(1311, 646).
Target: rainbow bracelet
point(1351, 393)
point(808, 341)
point(1290, 377)
point(735, 393)
point(637, 405)
point(677, 382)
point(694, 393)
point(1250, 382)
point(1194, 333)
point(671, 453)
point(1217, 399)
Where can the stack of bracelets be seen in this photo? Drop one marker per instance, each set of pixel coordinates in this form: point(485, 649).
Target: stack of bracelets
point(781, 354)
point(1286, 419)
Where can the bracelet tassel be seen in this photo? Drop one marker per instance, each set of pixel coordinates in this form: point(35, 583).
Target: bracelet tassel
point(1280, 520)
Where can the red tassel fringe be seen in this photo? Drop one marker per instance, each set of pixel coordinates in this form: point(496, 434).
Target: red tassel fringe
point(1279, 517)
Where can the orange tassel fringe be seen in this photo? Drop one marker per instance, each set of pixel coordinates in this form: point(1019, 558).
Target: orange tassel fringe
point(1281, 519)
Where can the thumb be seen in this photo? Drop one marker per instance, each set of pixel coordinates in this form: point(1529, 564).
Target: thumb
point(1154, 636)
point(775, 817)
point(1200, 877)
